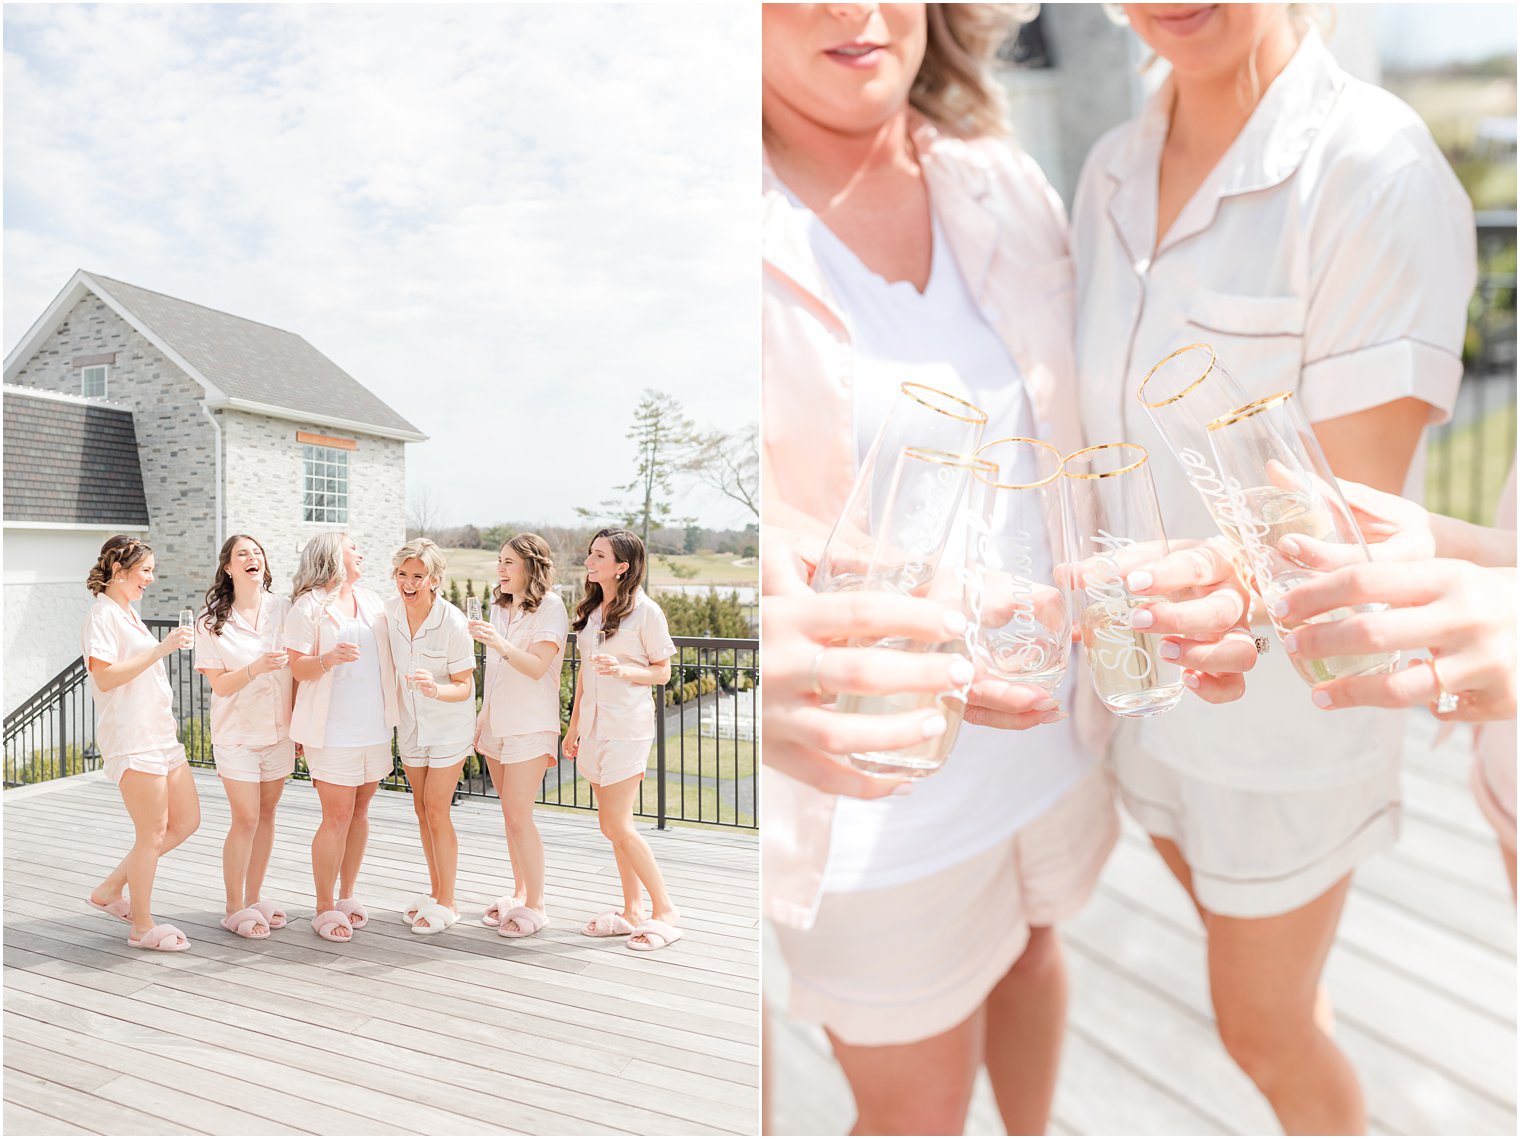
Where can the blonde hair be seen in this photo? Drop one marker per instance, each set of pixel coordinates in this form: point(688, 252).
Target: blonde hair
point(955, 87)
point(426, 551)
point(119, 552)
point(321, 564)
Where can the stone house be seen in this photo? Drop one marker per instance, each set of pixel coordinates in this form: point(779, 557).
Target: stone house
point(234, 427)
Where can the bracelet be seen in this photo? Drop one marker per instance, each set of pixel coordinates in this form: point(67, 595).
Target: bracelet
point(322, 662)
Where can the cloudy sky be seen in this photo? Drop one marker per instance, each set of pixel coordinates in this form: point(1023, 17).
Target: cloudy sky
point(505, 221)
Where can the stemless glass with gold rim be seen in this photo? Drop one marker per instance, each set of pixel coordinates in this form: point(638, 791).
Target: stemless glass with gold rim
point(1281, 488)
point(921, 417)
point(1115, 528)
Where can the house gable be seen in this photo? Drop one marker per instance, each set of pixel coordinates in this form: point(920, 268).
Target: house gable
point(70, 462)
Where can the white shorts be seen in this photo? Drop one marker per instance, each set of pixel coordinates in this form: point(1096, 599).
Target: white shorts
point(601, 762)
point(244, 764)
point(349, 766)
point(908, 962)
point(1257, 854)
point(155, 761)
point(446, 756)
point(520, 749)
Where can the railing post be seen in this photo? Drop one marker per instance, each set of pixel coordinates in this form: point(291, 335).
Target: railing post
point(659, 752)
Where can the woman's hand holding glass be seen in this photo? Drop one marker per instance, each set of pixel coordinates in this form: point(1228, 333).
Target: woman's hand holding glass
point(487, 634)
point(1463, 613)
point(269, 662)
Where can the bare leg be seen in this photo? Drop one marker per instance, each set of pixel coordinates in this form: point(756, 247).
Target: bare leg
point(331, 839)
point(1264, 976)
point(358, 837)
point(1026, 1020)
point(243, 800)
point(147, 801)
point(263, 839)
point(636, 864)
point(1509, 868)
point(438, 797)
point(184, 819)
point(518, 784)
point(923, 1088)
point(514, 856)
point(417, 779)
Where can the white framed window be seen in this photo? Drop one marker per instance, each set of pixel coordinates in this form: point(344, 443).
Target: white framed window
point(92, 381)
point(325, 484)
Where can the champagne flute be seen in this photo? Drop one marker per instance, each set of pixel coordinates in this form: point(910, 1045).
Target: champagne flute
point(1024, 633)
point(1182, 395)
point(1281, 488)
point(1116, 527)
point(929, 496)
point(472, 608)
point(920, 417)
point(187, 622)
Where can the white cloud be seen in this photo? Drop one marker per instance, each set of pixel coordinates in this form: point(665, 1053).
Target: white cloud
point(505, 221)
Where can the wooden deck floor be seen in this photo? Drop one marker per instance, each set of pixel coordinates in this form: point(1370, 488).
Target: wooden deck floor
point(459, 1033)
point(1422, 977)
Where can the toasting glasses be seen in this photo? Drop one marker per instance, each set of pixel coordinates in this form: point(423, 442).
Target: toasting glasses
point(929, 496)
point(1025, 625)
point(923, 418)
point(1283, 496)
point(472, 608)
point(186, 621)
point(1116, 527)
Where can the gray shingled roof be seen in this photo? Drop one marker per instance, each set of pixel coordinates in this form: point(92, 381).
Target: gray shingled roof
point(254, 362)
point(71, 462)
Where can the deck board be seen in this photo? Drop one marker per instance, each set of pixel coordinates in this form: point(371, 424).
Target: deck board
point(1422, 978)
point(464, 1032)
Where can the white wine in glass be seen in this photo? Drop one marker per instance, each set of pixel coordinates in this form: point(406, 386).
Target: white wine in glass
point(186, 621)
point(1128, 673)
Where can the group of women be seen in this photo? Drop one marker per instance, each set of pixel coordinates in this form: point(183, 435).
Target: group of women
point(1307, 226)
point(336, 671)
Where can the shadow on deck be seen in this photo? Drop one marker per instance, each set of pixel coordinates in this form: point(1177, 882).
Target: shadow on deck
point(463, 1032)
point(1422, 978)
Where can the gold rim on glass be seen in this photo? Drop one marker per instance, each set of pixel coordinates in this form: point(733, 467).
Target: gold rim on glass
point(911, 390)
point(1135, 466)
point(1048, 479)
point(951, 459)
point(1140, 394)
point(1251, 409)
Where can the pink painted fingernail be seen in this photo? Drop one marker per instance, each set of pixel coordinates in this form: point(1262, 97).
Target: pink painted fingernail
point(1169, 650)
point(1322, 699)
point(1140, 619)
point(934, 726)
point(1190, 680)
point(955, 621)
point(1052, 717)
point(1139, 581)
point(1044, 704)
point(1290, 642)
point(903, 789)
point(1279, 608)
point(962, 671)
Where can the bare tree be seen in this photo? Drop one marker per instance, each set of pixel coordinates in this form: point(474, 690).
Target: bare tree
point(424, 513)
point(728, 462)
point(662, 435)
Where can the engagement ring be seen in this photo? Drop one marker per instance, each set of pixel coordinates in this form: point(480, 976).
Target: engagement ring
point(1446, 702)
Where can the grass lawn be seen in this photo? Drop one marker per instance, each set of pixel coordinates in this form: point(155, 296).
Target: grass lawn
point(710, 569)
point(1487, 445)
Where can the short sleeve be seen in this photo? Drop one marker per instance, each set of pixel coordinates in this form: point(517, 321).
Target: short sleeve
point(1389, 288)
point(460, 646)
point(102, 637)
point(553, 622)
point(654, 633)
point(300, 626)
point(208, 646)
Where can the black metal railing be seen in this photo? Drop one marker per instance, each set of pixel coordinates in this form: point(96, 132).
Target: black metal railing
point(1469, 456)
point(703, 764)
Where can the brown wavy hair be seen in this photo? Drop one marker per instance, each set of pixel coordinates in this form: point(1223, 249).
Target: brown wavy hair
point(626, 547)
point(955, 87)
point(535, 553)
point(219, 596)
point(119, 552)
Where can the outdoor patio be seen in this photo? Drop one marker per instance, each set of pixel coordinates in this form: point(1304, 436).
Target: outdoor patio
point(1422, 977)
point(460, 1033)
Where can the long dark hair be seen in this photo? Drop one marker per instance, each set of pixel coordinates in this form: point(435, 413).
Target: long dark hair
point(539, 562)
point(119, 552)
point(219, 596)
point(626, 547)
